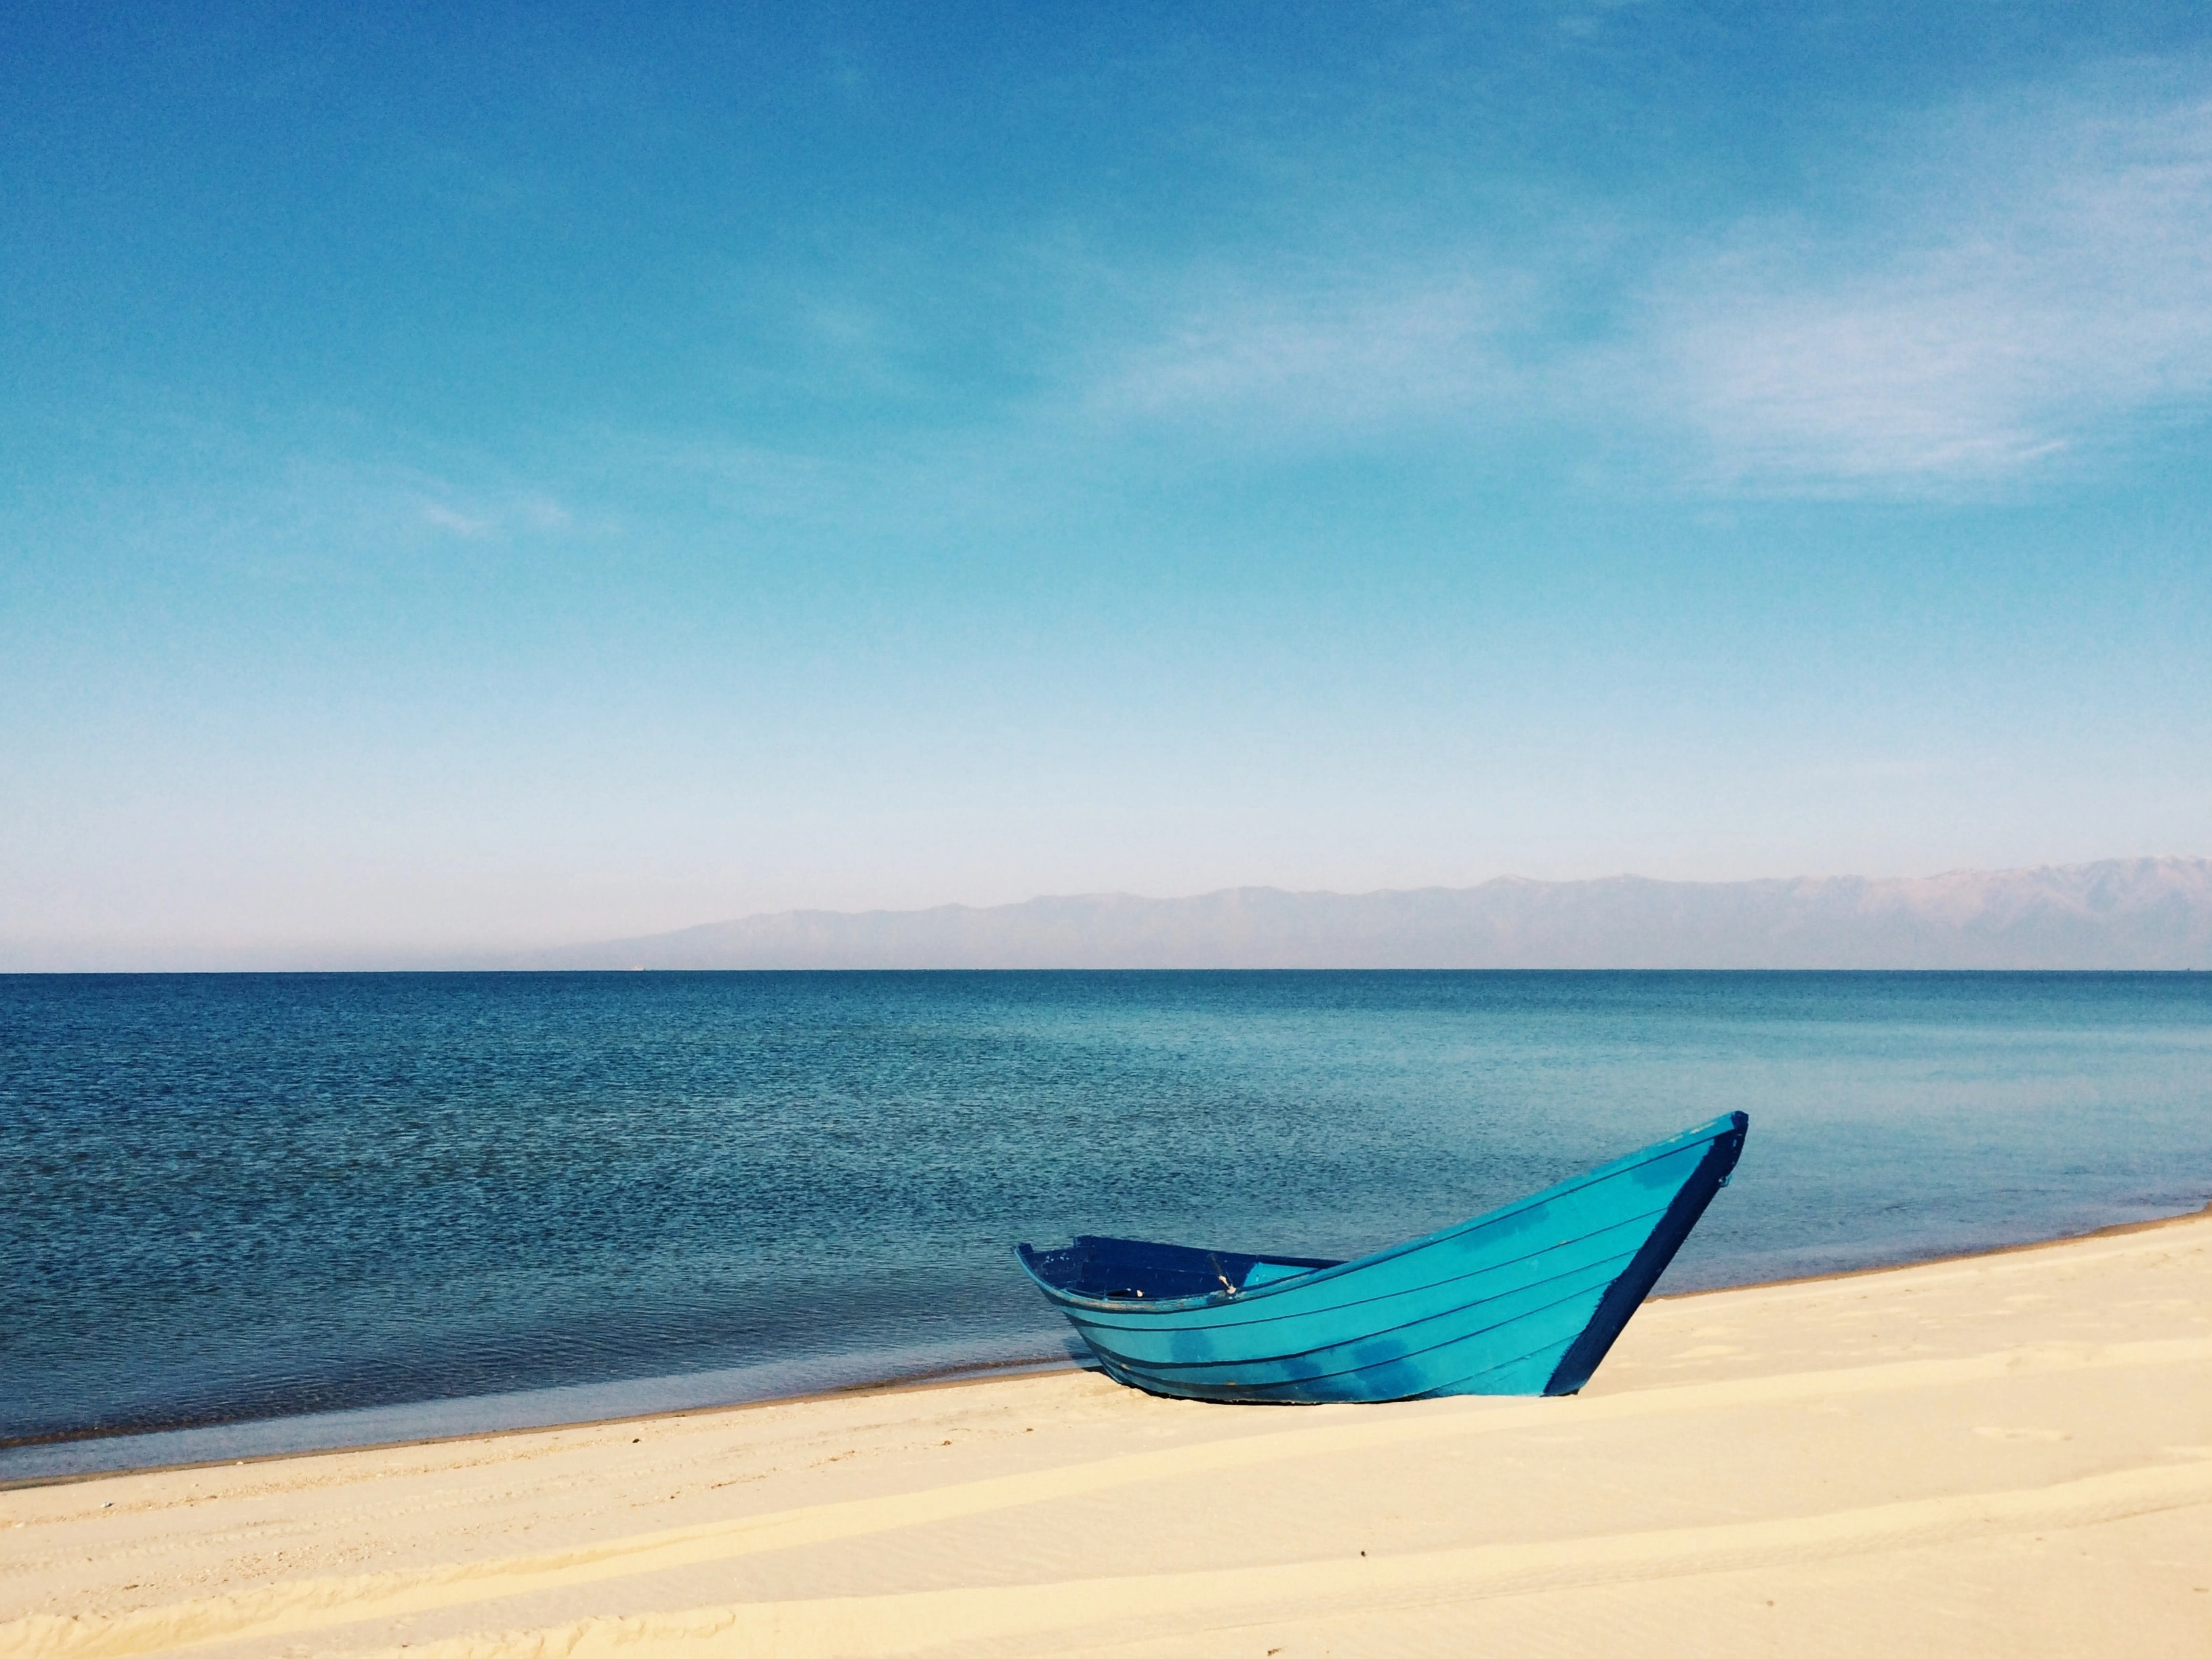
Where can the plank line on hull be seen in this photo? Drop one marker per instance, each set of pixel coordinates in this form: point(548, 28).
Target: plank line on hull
point(1588, 1278)
point(1554, 1341)
point(1169, 1324)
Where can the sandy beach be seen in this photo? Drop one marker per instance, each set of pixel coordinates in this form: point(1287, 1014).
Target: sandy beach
point(2008, 1454)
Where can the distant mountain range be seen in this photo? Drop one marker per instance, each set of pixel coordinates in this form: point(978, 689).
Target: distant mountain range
point(2118, 913)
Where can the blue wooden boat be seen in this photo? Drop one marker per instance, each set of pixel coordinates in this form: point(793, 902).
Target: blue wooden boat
point(1527, 1299)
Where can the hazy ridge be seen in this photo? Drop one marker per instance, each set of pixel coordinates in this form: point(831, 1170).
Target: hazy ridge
point(2146, 913)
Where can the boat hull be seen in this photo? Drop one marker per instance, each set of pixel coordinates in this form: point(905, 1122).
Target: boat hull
point(1524, 1300)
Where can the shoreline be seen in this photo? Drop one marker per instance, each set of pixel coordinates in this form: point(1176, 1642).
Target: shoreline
point(943, 1378)
point(2004, 1454)
point(2118, 1229)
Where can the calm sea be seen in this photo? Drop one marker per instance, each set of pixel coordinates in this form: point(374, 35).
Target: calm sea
point(242, 1213)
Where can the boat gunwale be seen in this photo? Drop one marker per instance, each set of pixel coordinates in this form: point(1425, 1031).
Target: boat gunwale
point(1727, 1123)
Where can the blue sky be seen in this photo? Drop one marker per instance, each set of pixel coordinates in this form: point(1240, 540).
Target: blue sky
point(479, 477)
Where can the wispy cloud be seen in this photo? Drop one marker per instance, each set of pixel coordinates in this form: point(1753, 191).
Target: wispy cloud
point(439, 516)
point(1951, 344)
point(1993, 297)
point(478, 516)
point(1342, 351)
point(318, 517)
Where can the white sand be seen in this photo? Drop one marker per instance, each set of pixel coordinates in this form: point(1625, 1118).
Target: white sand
point(2010, 1455)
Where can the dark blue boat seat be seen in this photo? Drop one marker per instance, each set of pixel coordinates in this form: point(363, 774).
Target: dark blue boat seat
point(1134, 1270)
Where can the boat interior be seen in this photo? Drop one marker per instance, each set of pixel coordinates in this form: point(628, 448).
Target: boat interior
point(1133, 1270)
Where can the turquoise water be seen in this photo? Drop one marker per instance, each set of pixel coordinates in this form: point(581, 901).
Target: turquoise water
point(256, 1212)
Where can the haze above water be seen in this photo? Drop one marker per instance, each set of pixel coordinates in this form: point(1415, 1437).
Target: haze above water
point(249, 1199)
